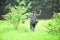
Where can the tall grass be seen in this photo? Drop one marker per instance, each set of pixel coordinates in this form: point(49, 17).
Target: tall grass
point(43, 31)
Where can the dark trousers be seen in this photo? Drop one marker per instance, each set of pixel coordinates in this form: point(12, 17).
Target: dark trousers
point(32, 25)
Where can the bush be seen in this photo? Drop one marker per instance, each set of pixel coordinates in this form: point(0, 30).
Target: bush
point(56, 23)
point(15, 15)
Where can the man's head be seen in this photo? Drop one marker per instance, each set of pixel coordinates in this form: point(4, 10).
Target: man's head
point(33, 12)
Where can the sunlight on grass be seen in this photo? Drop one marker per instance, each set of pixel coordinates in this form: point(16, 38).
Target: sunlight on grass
point(24, 33)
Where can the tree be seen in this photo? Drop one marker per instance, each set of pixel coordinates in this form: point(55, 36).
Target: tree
point(44, 5)
point(47, 7)
point(16, 11)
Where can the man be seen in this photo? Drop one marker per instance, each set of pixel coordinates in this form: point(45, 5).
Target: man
point(33, 19)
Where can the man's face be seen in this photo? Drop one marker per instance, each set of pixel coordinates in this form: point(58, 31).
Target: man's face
point(33, 13)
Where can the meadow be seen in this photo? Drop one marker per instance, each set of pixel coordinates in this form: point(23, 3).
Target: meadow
point(8, 31)
point(13, 11)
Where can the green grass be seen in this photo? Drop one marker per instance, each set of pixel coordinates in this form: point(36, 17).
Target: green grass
point(7, 31)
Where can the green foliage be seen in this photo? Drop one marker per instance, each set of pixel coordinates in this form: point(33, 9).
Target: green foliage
point(55, 24)
point(56, 15)
point(7, 31)
point(51, 26)
point(15, 14)
point(57, 20)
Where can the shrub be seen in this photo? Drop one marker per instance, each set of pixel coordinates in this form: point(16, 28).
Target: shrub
point(15, 14)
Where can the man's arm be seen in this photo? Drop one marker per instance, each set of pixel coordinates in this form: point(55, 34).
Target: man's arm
point(39, 13)
point(27, 16)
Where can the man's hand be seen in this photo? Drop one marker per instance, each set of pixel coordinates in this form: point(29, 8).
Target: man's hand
point(23, 20)
point(40, 12)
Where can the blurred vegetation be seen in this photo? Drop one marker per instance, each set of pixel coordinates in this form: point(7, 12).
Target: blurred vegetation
point(15, 10)
point(47, 6)
point(45, 30)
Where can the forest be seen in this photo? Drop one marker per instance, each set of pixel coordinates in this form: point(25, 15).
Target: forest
point(14, 26)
